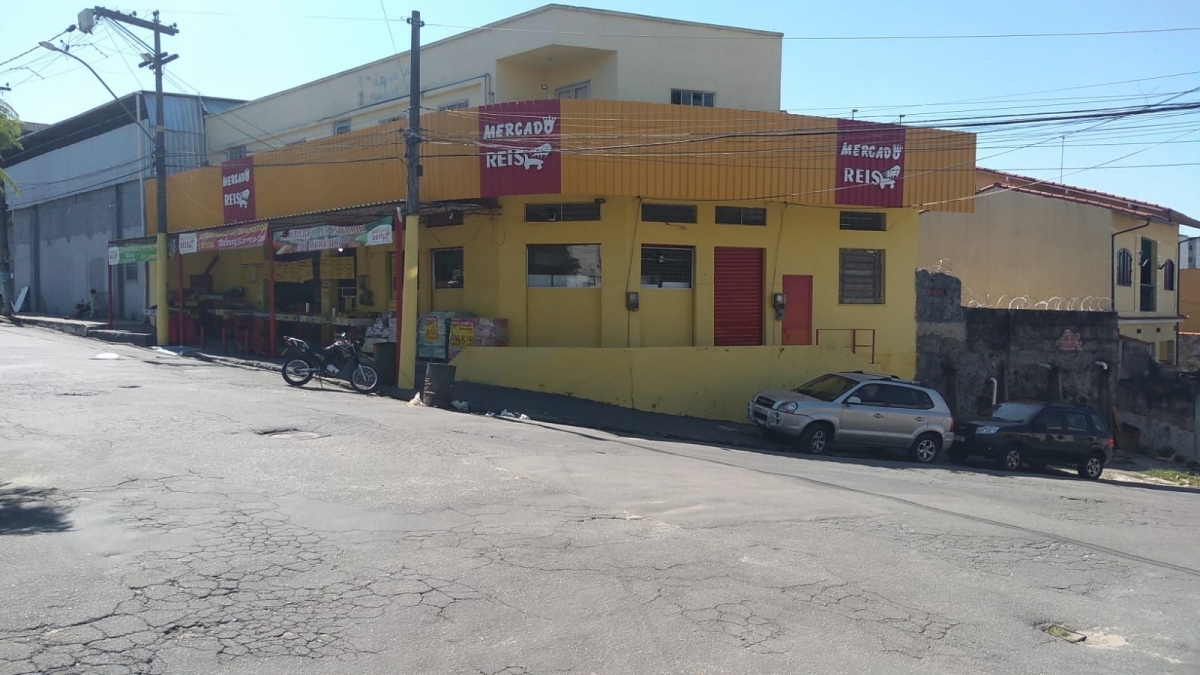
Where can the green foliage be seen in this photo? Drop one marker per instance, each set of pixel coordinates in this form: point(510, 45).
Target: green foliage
point(10, 129)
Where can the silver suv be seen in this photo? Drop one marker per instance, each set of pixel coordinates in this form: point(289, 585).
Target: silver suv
point(858, 409)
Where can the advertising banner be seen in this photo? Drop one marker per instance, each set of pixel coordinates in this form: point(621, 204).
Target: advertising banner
point(225, 239)
point(325, 237)
point(237, 189)
point(125, 254)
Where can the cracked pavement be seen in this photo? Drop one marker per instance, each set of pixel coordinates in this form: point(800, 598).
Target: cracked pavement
point(150, 522)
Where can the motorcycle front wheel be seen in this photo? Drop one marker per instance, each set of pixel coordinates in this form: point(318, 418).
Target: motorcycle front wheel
point(364, 378)
point(297, 372)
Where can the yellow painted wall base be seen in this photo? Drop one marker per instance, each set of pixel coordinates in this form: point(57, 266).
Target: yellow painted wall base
point(706, 382)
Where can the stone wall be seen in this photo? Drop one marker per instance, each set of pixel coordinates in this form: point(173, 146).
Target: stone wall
point(1046, 355)
point(1189, 352)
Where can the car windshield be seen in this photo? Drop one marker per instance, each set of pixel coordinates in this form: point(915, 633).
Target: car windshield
point(826, 387)
point(1014, 412)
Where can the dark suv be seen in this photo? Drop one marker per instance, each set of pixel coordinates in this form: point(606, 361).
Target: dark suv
point(1038, 434)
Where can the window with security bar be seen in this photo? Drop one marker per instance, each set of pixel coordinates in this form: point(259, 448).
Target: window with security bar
point(865, 221)
point(669, 213)
point(668, 266)
point(569, 212)
point(740, 215)
point(448, 268)
point(860, 276)
point(563, 266)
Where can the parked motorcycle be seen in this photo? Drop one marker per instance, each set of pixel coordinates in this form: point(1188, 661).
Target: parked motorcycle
point(304, 360)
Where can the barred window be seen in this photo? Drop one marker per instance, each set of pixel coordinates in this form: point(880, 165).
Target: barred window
point(456, 105)
point(1168, 275)
point(669, 213)
point(571, 212)
point(860, 276)
point(448, 268)
point(863, 220)
point(667, 266)
point(1124, 267)
point(738, 215)
point(563, 266)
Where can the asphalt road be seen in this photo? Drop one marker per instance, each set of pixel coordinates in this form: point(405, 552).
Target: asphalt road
point(165, 515)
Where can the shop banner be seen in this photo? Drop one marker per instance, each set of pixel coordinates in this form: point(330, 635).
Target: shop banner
point(325, 237)
point(519, 151)
point(237, 188)
point(227, 239)
point(126, 254)
point(870, 164)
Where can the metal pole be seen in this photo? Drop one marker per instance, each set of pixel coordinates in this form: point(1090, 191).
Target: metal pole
point(160, 180)
point(181, 308)
point(6, 268)
point(110, 298)
point(406, 351)
point(271, 290)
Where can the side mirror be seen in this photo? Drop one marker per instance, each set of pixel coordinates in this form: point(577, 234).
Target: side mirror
point(854, 400)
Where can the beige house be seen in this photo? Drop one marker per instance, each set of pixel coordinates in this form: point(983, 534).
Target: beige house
point(555, 51)
point(1034, 244)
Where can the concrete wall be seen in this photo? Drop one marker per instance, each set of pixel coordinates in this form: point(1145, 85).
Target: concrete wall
point(60, 250)
point(1018, 245)
point(515, 63)
point(1029, 353)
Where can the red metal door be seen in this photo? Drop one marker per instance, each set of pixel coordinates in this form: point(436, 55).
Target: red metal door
point(797, 315)
point(738, 296)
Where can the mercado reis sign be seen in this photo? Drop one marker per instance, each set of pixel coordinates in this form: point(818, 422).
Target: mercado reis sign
point(224, 239)
point(870, 164)
point(519, 148)
point(237, 189)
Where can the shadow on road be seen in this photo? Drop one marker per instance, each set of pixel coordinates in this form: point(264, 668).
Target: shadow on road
point(31, 511)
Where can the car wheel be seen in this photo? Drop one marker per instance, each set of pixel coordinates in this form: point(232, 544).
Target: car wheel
point(815, 438)
point(925, 449)
point(1092, 467)
point(1010, 457)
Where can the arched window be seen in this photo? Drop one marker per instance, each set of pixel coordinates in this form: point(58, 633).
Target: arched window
point(1124, 267)
point(1168, 275)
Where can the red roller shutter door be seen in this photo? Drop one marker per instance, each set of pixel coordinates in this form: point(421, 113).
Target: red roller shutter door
point(738, 297)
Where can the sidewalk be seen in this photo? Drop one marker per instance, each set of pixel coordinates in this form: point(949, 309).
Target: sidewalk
point(553, 408)
point(122, 331)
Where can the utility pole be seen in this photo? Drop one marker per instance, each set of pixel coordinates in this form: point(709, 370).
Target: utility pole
point(154, 60)
point(406, 305)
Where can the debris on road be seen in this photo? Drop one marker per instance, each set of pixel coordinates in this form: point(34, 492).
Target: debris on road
point(1055, 630)
point(460, 406)
point(416, 401)
point(106, 356)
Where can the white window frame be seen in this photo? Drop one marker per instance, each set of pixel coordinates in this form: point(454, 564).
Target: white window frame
point(573, 89)
point(338, 125)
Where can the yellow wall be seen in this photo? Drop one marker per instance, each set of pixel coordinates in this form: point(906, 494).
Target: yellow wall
point(1189, 299)
point(797, 240)
point(1018, 245)
point(1167, 239)
point(713, 382)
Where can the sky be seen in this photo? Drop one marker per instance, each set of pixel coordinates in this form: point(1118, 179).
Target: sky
point(250, 48)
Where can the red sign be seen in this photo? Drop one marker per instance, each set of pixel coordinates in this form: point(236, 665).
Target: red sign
point(237, 187)
point(519, 148)
point(870, 164)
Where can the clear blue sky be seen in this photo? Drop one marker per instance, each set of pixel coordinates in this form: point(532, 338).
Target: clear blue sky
point(249, 48)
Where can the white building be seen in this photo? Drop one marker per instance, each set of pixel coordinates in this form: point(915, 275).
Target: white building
point(554, 51)
point(1189, 252)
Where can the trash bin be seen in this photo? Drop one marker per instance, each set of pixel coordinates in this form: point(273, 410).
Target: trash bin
point(439, 384)
point(385, 363)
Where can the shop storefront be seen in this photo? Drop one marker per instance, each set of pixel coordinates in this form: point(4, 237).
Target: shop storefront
point(650, 256)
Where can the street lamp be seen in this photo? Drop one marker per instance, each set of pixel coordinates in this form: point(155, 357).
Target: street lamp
point(53, 48)
point(162, 316)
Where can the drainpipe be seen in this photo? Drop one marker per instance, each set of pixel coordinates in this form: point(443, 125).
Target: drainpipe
point(1112, 264)
point(995, 388)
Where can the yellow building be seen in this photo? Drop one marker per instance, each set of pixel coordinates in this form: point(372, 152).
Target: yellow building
point(660, 257)
point(1033, 244)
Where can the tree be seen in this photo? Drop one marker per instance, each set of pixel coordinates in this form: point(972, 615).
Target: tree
point(10, 129)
